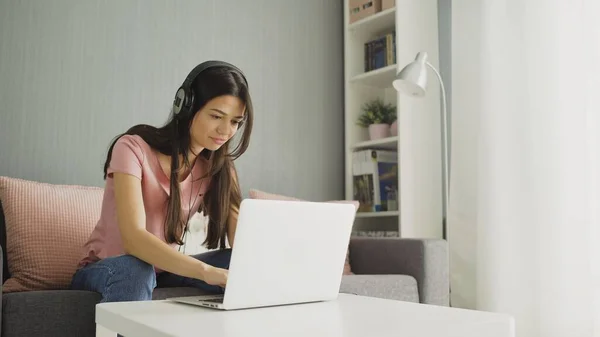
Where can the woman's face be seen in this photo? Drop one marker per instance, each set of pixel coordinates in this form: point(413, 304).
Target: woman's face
point(216, 123)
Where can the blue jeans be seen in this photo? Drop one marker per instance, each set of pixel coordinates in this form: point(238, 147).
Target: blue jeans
point(127, 278)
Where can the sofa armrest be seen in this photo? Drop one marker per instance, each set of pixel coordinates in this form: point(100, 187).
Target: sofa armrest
point(426, 260)
point(1, 282)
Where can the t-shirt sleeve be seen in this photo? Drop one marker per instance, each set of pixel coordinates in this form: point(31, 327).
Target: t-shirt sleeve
point(127, 157)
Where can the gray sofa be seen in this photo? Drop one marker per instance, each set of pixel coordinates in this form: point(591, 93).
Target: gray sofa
point(401, 269)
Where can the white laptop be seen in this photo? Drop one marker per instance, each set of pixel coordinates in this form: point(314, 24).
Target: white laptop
point(285, 252)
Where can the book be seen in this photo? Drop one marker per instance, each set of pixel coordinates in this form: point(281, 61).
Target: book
point(380, 52)
point(375, 180)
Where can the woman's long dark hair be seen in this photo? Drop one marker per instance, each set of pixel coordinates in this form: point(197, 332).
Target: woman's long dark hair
point(173, 139)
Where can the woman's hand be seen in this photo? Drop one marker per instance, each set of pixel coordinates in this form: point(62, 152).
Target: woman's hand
point(216, 276)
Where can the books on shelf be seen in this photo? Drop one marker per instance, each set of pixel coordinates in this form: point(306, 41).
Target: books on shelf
point(376, 234)
point(380, 52)
point(375, 180)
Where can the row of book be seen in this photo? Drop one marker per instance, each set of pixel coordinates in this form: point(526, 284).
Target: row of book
point(375, 180)
point(380, 52)
point(376, 234)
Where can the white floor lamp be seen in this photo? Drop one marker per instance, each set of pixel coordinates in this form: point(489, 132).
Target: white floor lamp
point(412, 80)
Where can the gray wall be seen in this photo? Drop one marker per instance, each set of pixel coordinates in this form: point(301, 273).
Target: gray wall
point(73, 74)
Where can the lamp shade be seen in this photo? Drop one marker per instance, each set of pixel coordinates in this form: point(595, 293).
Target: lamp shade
point(412, 79)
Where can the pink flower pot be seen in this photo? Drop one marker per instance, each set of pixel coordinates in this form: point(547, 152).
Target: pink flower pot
point(394, 129)
point(378, 131)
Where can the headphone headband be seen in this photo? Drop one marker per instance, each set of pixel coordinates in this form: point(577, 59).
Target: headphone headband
point(184, 97)
point(209, 64)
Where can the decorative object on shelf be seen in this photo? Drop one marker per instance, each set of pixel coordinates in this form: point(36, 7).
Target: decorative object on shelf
point(392, 197)
point(387, 4)
point(360, 9)
point(412, 80)
point(377, 116)
point(394, 128)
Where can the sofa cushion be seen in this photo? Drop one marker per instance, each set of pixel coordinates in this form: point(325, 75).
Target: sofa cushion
point(49, 313)
point(46, 226)
point(395, 287)
point(257, 194)
point(5, 271)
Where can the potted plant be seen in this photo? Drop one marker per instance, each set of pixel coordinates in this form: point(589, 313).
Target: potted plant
point(377, 116)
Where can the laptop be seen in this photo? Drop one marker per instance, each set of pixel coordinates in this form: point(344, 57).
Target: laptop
point(285, 252)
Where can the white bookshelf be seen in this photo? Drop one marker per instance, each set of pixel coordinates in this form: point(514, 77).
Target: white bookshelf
point(361, 86)
point(415, 24)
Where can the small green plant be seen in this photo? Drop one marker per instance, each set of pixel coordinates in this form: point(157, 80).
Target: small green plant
point(377, 112)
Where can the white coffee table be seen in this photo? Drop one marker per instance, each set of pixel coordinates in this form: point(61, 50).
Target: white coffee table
point(349, 315)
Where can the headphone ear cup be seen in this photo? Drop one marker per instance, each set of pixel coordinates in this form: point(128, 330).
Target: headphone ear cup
point(179, 101)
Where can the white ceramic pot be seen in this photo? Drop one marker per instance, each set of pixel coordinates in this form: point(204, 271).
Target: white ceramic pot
point(378, 131)
point(394, 129)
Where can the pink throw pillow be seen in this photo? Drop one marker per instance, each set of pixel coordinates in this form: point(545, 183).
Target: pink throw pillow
point(46, 227)
point(257, 194)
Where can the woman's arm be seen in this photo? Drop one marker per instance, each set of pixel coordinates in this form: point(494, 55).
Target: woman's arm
point(137, 241)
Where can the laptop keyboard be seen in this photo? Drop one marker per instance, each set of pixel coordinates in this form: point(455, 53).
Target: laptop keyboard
point(213, 300)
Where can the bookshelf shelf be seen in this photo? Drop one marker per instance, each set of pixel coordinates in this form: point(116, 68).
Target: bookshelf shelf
point(374, 24)
point(389, 143)
point(377, 214)
point(380, 78)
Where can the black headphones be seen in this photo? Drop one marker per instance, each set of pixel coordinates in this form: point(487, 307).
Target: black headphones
point(184, 98)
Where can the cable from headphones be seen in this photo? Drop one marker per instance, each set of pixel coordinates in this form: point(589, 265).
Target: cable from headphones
point(175, 136)
point(190, 204)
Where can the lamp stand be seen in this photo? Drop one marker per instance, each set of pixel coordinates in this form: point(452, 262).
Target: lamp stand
point(445, 162)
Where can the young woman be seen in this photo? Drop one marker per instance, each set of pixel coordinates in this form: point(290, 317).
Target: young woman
point(157, 178)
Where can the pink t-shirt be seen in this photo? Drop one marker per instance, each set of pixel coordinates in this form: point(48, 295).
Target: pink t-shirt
point(132, 155)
